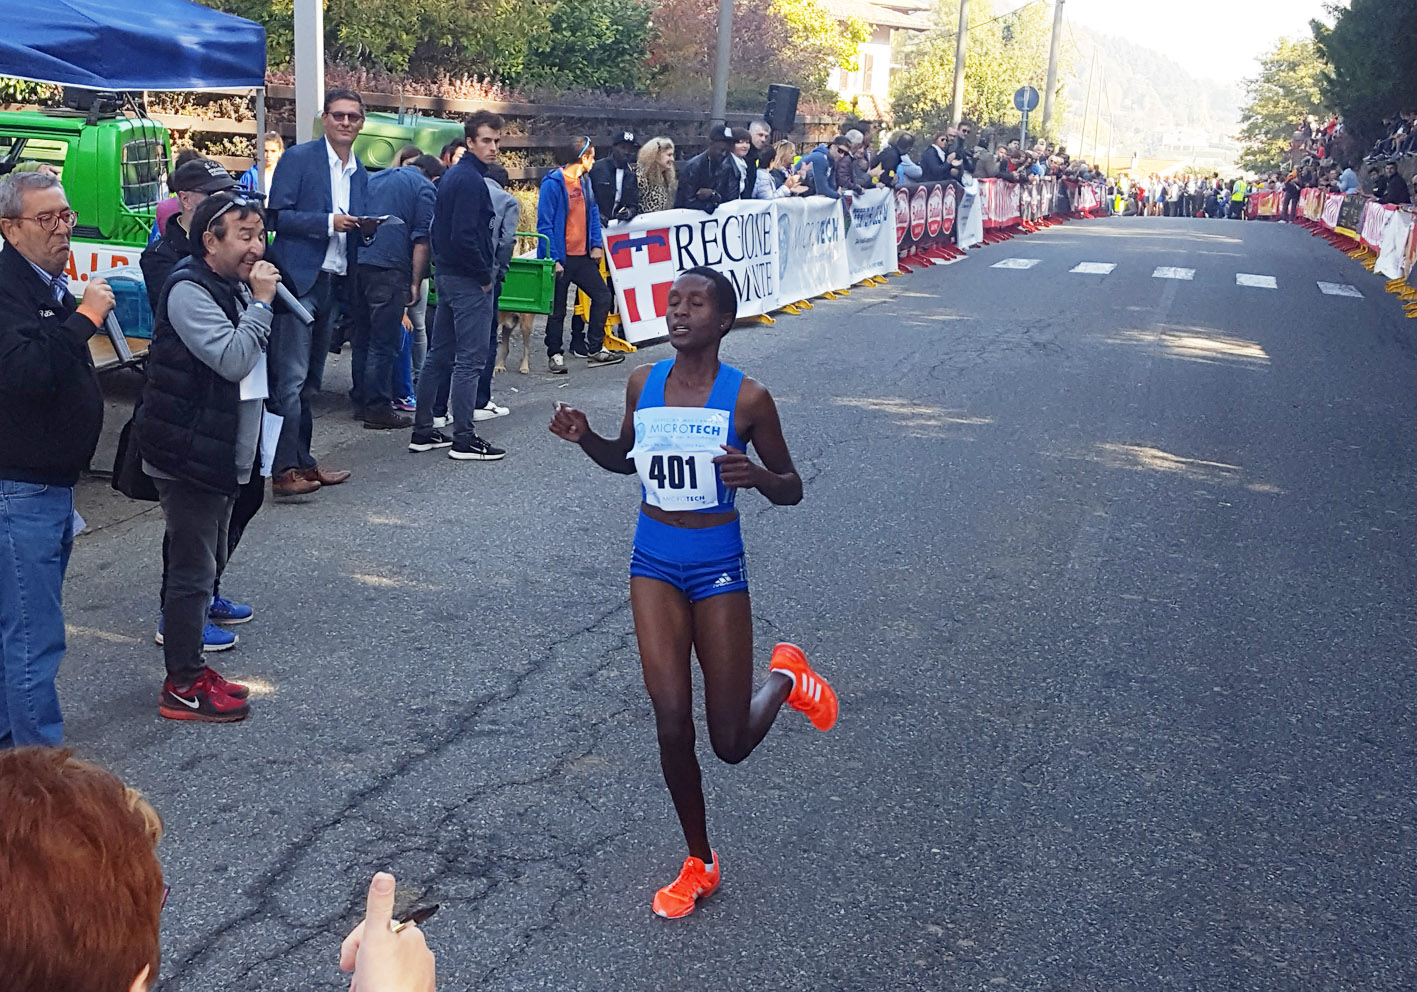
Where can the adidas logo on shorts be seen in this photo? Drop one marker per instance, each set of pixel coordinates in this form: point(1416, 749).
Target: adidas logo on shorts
point(722, 580)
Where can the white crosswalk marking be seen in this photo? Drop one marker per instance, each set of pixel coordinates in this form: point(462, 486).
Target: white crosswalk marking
point(1016, 263)
point(1255, 282)
point(1339, 289)
point(1093, 268)
point(1171, 272)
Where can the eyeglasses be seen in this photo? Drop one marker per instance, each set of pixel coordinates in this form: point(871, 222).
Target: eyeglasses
point(235, 201)
point(52, 222)
point(341, 117)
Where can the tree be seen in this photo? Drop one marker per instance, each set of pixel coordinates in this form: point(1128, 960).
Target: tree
point(591, 43)
point(1002, 53)
point(774, 41)
point(1372, 62)
point(1284, 93)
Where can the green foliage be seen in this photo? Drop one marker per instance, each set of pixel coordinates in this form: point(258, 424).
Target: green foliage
point(1000, 56)
point(1372, 62)
point(23, 91)
point(1283, 94)
point(591, 43)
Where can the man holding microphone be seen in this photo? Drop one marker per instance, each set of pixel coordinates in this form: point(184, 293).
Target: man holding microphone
point(51, 413)
point(199, 428)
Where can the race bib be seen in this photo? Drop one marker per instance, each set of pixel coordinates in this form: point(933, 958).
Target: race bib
point(674, 451)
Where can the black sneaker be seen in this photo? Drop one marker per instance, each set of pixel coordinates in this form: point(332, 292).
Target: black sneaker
point(429, 441)
point(580, 350)
point(605, 357)
point(387, 419)
point(476, 450)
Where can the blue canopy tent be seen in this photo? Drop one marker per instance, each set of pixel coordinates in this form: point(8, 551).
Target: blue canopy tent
point(132, 45)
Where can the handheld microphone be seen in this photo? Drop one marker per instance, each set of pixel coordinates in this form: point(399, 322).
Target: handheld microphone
point(293, 305)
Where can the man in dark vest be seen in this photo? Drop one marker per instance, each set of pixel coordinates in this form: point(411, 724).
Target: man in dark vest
point(51, 413)
point(199, 428)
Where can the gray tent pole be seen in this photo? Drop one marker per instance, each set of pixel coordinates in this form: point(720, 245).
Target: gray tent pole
point(261, 139)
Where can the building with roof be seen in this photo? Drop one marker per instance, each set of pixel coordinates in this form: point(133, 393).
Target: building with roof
point(869, 85)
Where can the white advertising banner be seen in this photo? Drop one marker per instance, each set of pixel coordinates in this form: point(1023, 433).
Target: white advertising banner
point(775, 252)
point(811, 247)
point(871, 239)
point(1392, 256)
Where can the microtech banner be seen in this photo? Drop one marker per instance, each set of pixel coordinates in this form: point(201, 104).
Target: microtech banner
point(811, 246)
point(871, 238)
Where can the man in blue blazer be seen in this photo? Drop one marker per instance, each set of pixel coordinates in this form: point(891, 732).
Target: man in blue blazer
point(318, 194)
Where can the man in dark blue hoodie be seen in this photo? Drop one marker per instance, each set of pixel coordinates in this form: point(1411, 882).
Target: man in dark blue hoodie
point(464, 265)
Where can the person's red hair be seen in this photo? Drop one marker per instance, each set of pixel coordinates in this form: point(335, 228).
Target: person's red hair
point(80, 885)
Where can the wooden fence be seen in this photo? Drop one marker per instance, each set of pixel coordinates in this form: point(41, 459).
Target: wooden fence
point(533, 130)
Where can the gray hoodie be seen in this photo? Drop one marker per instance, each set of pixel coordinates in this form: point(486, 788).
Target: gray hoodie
point(506, 215)
point(229, 351)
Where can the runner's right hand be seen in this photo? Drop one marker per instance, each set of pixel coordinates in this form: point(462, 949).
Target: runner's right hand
point(569, 424)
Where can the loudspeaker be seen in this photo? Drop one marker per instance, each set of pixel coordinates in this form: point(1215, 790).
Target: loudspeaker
point(781, 114)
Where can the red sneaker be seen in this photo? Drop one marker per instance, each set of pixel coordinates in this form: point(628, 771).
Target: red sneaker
point(695, 882)
point(811, 694)
point(202, 702)
point(235, 690)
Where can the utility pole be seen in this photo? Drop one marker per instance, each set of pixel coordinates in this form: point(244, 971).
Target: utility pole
point(720, 70)
point(1097, 124)
point(957, 100)
point(1087, 103)
point(309, 67)
point(1052, 83)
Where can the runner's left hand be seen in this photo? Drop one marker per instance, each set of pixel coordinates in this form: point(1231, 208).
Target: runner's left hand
point(737, 470)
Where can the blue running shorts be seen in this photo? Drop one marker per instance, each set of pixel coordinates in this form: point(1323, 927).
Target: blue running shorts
point(699, 563)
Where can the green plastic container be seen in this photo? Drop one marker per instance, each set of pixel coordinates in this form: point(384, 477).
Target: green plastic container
point(384, 135)
point(531, 282)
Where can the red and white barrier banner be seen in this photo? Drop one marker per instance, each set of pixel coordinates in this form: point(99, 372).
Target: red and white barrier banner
point(775, 252)
point(1398, 245)
point(1333, 203)
point(1375, 221)
point(1000, 200)
point(1264, 204)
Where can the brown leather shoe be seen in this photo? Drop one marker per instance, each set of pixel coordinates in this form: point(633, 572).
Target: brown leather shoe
point(320, 476)
point(293, 482)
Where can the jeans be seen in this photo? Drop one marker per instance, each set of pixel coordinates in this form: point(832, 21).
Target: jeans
point(456, 353)
point(484, 381)
point(385, 294)
point(584, 271)
point(248, 503)
point(36, 536)
point(198, 522)
point(418, 317)
point(297, 371)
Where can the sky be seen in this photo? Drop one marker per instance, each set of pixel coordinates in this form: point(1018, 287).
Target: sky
point(1228, 47)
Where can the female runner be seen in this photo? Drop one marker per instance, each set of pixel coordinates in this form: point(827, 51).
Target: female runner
point(688, 422)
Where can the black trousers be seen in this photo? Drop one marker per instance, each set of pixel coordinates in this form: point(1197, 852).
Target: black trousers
point(584, 272)
point(197, 524)
point(248, 503)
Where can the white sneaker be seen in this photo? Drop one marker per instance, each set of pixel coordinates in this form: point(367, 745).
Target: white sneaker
point(556, 365)
point(442, 422)
point(490, 412)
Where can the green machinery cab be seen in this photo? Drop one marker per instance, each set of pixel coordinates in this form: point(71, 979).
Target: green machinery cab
point(385, 134)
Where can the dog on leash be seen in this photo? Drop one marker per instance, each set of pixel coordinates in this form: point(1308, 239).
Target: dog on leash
point(508, 322)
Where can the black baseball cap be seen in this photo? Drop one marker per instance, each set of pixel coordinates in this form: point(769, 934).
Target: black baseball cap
point(721, 134)
point(201, 175)
point(625, 138)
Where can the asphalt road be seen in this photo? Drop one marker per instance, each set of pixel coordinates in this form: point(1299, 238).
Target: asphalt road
point(1112, 573)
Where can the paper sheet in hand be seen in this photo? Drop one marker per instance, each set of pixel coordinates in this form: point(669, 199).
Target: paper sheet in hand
point(271, 424)
point(256, 386)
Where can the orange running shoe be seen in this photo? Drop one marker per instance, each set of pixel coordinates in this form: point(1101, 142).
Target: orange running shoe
point(695, 881)
point(810, 692)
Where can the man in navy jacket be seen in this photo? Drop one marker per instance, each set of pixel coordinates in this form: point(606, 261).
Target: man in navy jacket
point(318, 194)
point(51, 413)
point(464, 270)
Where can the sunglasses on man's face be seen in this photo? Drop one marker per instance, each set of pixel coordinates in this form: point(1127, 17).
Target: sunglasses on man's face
point(341, 117)
point(235, 201)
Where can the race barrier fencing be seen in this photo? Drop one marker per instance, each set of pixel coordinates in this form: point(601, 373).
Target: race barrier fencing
point(780, 252)
point(1382, 237)
point(775, 252)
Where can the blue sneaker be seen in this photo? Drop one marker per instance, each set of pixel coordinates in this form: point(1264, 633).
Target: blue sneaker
point(213, 637)
point(224, 611)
